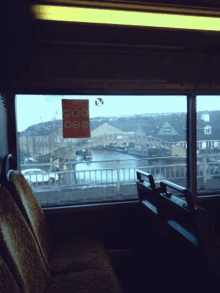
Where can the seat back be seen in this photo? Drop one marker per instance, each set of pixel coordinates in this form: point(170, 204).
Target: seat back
point(28, 205)
point(197, 221)
point(19, 247)
point(31, 210)
point(7, 281)
point(145, 185)
point(208, 239)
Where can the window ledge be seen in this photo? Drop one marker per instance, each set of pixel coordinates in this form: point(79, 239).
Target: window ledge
point(85, 207)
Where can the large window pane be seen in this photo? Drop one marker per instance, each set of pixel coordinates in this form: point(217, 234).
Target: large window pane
point(127, 133)
point(208, 144)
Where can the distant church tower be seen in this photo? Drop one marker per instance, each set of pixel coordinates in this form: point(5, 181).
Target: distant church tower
point(205, 116)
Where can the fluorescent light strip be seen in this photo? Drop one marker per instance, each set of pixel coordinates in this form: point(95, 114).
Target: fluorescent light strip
point(127, 18)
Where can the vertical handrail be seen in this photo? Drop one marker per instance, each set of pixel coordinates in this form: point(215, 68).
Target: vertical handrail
point(118, 175)
point(90, 177)
point(68, 177)
point(74, 178)
point(36, 180)
point(204, 169)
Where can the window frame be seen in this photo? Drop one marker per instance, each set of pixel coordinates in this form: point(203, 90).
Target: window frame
point(191, 123)
point(207, 130)
point(191, 145)
point(167, 129)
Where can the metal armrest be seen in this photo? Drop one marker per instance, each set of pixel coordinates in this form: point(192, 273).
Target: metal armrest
point(144, 176)
point(186, 193)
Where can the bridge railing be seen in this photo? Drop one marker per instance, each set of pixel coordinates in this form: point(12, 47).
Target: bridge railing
point(107, 176)
point(117, 173)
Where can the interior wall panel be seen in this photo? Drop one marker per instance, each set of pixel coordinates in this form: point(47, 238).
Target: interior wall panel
point(3, 130)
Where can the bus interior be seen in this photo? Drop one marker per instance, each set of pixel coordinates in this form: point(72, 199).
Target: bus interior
point(160, 231)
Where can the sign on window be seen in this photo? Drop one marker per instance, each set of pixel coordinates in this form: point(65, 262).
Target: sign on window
point(75, 118)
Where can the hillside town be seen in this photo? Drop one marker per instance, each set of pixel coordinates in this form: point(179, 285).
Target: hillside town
point(45, 138)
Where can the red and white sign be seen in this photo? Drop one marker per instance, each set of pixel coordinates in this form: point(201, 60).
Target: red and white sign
point(75, 118)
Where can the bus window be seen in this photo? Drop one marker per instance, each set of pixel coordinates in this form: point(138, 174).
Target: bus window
point(208, 144)
point(127, 133)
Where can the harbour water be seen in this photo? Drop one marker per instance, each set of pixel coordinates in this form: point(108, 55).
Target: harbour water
point(104, 166)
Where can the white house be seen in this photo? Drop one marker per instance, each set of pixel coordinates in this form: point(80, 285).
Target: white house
point(205, 116)
point(167, 129)
point(202, 144)
point(105, 129)
point(140, 131)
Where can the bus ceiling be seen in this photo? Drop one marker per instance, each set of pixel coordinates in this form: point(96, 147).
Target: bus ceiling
point(38, 53)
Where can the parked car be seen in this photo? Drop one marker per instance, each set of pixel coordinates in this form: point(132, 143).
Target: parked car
point(34, 176)
point(32, 160)
point(118, 136)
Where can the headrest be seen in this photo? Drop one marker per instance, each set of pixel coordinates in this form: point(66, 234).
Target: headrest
point(8, 167)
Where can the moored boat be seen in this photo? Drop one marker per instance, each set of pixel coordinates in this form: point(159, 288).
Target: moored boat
point(148, 152)
point(139, 153)
point(121, 149)
point(88, 155)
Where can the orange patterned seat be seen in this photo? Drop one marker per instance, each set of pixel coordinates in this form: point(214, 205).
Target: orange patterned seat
point(88, 281)
point(7, 281)
point(24, 260)
point(68, 255)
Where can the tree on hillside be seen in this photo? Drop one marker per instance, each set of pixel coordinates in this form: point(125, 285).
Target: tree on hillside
point(42, 138)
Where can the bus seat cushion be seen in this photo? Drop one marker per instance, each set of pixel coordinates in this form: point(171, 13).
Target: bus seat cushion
point(88, 281)
point(77, 254)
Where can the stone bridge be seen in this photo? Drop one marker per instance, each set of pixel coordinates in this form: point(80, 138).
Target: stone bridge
point(120, 139)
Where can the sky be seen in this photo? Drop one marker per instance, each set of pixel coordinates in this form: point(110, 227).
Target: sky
point(33, 109)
